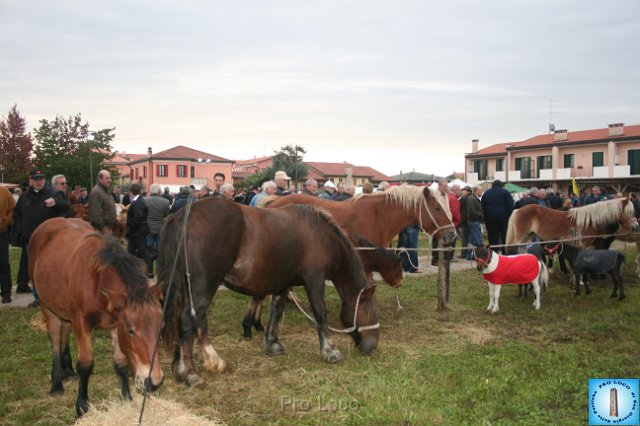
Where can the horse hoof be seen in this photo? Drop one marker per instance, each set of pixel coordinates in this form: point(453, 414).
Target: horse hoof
point(332, 356)
point(56, 392)
point(259, 327)
point(622, 297)
point(275, 349)
point(494, 311)
point(69, 374)
point(82, 408)
point(193, 380)
point(247, 334)
point(216, 367)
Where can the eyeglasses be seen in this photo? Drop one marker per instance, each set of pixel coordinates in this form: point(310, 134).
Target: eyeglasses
point(62, 183)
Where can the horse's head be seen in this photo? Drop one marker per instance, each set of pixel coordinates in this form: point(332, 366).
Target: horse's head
point(365, 333)
point(628, 218)
point(483, 257)
point(434, 219)
point(390, 268)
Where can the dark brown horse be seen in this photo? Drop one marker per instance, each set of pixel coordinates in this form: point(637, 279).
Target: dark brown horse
point(87, 280)
point(587, 221)
point(375, 258)
point(257, 252)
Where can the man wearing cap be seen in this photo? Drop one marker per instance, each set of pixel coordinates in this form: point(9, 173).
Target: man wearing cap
point(102, 208)
point(329, 189)
point(36, 205)
point(282, 183)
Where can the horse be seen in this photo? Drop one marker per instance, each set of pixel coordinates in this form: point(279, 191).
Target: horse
point(257, 252)
point(120, 227)
point(588, 261)
point(551, 224)
point(518, 269)
point(110, 292)
point(384, 261)
point(81, 211)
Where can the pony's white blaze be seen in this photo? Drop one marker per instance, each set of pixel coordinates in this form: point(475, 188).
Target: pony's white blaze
point(212, 360)
point(142, 372)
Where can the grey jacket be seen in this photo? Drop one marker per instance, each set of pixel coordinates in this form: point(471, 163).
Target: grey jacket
point(474, 210)
point(102, 208)
point(158, 210)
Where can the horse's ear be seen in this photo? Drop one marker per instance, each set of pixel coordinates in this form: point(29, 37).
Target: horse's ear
point(426, 192)
point(368, 292)
point(116, 300)
point(157, 291)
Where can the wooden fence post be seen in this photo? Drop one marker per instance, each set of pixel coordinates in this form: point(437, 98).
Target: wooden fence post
point(442, 283)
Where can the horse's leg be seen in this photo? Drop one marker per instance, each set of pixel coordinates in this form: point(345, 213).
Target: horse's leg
point(315, 292)
point(491, 299)
point(182, 365)
point(271, 344)
point(84, 366)
point(617, 278)
point(577, 283)
point(252, 317)
point(638, 256)
point(67, 361)
point(212, 360)
point(496, 298)
point(587, 289)
point(54, 328)
point(536, 290)
point(121, 366)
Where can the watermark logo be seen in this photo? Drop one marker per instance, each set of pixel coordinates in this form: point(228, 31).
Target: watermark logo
point(319, 403)
point(613, 402)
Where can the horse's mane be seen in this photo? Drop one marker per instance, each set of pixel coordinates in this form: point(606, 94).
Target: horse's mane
point(315, 216)
point(601, 213)
point(407, 196)
point(129, 268)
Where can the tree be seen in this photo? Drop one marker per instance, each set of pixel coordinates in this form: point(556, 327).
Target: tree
point(65, 146)
point(291, 160)
point(16, 146)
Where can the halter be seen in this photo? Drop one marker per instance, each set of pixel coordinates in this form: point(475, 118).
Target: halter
point(484, 262)
point(553, 249)
point(344, 330)
point(433, 219)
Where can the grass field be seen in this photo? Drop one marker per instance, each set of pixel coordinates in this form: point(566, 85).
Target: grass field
point(463, 366)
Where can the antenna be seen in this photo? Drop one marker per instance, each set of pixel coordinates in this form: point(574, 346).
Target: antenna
point(552, 126)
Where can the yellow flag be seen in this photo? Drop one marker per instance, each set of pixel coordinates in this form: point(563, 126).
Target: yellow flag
point(575, 187)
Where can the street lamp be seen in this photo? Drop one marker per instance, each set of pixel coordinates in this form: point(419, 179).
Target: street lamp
point(90, 139)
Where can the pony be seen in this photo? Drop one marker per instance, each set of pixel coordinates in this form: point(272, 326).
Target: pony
point(384, 261)
point(120, 227)
point(518, 269)
point(551, 224)
point(81, 211)
point(588, 261)
point(110, 292)
point(257, 252)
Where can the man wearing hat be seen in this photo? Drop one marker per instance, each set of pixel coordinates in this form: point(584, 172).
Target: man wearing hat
point(464, 225)
point(329, 190)
point(36, 205)
point(282, 183)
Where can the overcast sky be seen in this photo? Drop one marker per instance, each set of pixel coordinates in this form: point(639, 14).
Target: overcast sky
point(395, 85)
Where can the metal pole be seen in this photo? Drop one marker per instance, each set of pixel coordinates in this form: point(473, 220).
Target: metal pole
point(90, 139)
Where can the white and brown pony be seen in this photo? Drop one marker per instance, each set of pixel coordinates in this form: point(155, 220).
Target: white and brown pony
point(519, 269)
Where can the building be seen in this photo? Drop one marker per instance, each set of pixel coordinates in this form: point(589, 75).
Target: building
point(607, 157)
point(415, 178)
point(244, 168)
point(178, 166)
point(345, 172)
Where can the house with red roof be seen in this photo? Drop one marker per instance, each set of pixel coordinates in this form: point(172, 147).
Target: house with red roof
point(344, 171)
point(607, 156)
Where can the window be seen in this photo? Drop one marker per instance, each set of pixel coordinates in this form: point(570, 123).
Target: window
point(193, 171)
point(633, 159)
point(500, 165)
point(524, 165)
point(162, 170)
point(569, 160)
point(181, 170)
point(597, 159)
point(144, 172)
point(480, 167)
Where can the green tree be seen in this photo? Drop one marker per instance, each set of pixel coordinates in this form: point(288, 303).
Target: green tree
point(68, 146)
point(16, 146)
point(290, 159)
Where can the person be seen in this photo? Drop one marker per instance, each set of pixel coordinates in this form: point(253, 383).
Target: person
point(167, 195)
point(7, 205)
point(442, 195)
point(282, 183)
point(542, 198)
point(464, 226)
point(454, 205)
point(102, 208)
point(137, 226)
point(555, 202)
point(329, 189)
point(227, 191)
point(344, 192)
point(181, 199)
point(117, 195)
point(126, 199)
point(475, 218)
point(158, 209)
point(84, 196)
point(383, 186)
point(530, 198)
point(35, 206)
point(310, 187)
point(59, 183)
point(408, 239)
point(268, 188)
point(367, 188)
point(497, 205)
point(218, 181)
point(16, 194)
point(575, 201)
point(595, 196)
point(253, 191)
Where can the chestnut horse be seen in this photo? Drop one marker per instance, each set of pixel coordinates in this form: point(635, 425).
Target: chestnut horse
point(87, 280)
point(257, 252)
point(591, 220)
point(81, 211)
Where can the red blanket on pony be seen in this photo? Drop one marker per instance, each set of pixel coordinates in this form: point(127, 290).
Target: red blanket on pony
point(518, 269)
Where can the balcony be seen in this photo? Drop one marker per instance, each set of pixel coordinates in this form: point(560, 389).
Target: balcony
point(500, 176)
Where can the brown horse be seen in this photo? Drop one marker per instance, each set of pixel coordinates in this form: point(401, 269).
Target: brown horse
point(257, 252)
point(81, 211)
point(87, 280)
point(549, 224)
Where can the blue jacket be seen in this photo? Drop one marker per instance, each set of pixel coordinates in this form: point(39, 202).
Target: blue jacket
point(497, 203)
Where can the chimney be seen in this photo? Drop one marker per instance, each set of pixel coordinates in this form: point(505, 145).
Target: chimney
point(149, 152)
point(616, 129)
point(474, 145)
point(560, 135)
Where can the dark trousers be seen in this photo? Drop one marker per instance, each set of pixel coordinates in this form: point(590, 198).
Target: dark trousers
point(137, 246)
point(463, 230)
point(497, 232)
point(23, 271)
point(5, 267)
point(408, 239)
point(448, 255)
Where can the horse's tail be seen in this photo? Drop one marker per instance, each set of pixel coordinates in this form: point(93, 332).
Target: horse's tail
point(543, 275)
point(620, 265)
point(171, 276)
point(511, 232)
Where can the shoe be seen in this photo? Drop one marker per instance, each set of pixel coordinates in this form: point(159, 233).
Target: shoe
point(416, 271)
point(23, 288)
point(454, 260)
point(34, 304)
point(6, 299)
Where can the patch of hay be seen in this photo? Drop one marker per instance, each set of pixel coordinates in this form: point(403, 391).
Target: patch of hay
point(38, 322)
point(157, 411)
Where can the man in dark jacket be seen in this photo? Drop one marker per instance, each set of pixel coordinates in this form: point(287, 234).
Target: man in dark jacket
point(475, 218)
point(36, 205)
point(137, 226)
point(464, 227)
point(102, 208)
point(497, 205)
point(530, 198)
